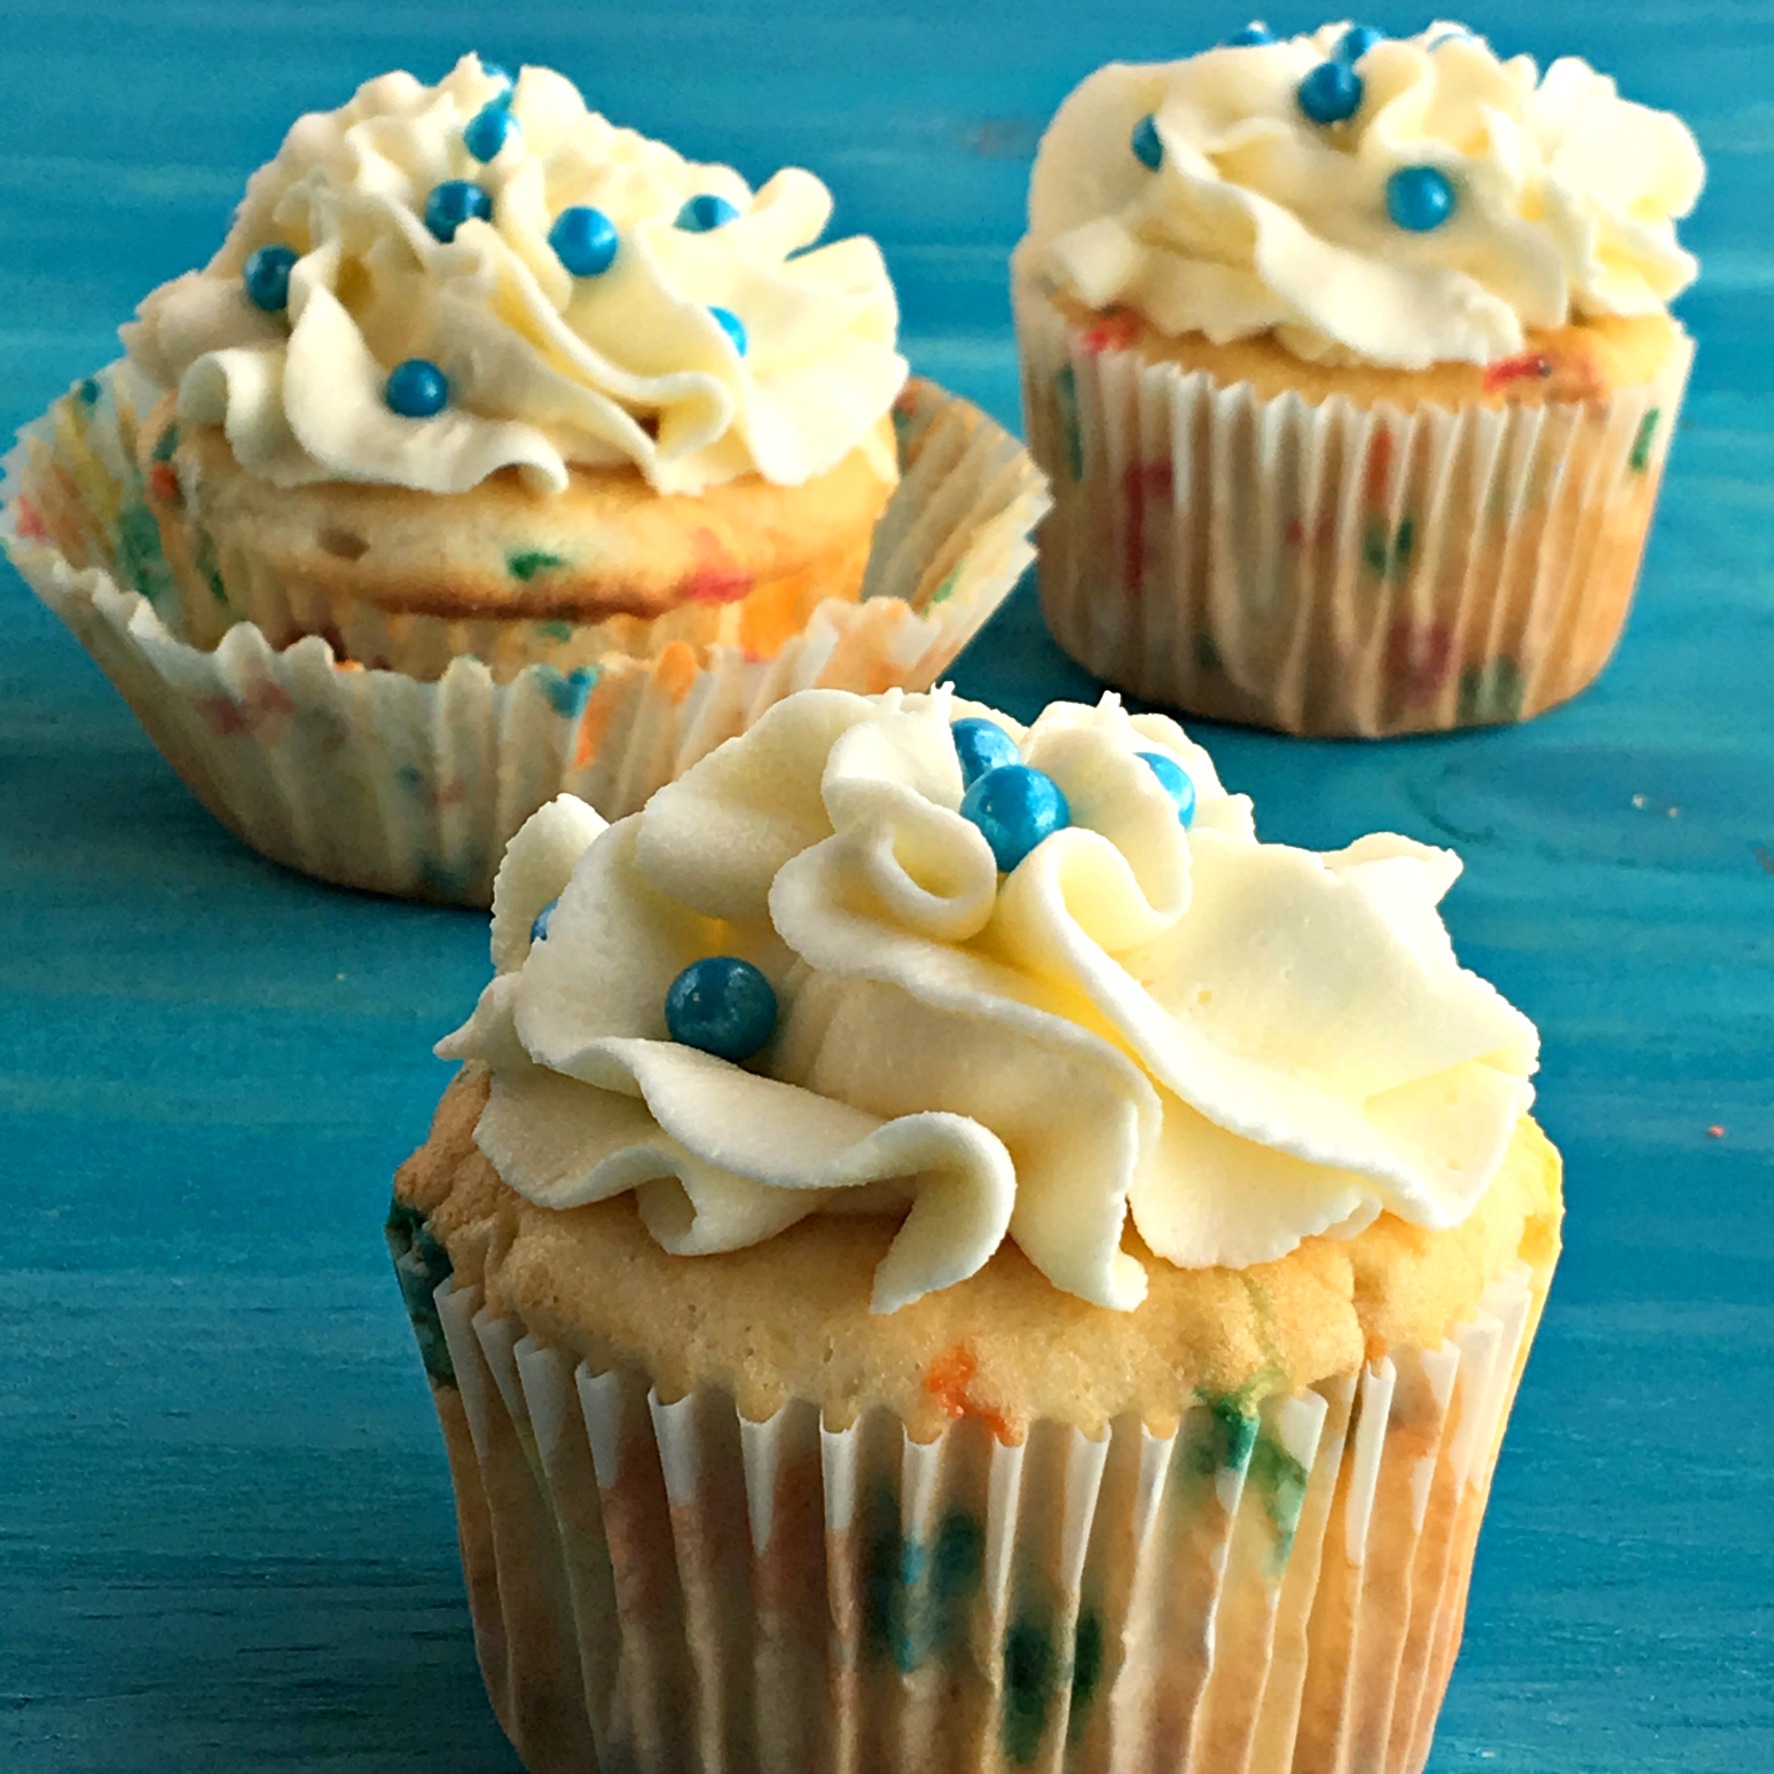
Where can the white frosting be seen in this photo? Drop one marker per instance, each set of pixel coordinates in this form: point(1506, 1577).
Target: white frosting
point(545, 369)
point(1240, 1044)
point(1258, 219)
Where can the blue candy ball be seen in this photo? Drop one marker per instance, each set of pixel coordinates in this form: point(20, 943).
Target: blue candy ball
point(733, 327)
point(1331, 93)
point(1147, 149)
point(721, 1005)
point(1015, 807)
point(1177, 781)
point(488, 130)
point(982, 746)
point(539, 929)
point(454, 202)
point(416, 389)
point(584, 240)
point(703, 213)
point(1357, 41)
point(1419, 198)
point(267, 277)
point(1251, 36)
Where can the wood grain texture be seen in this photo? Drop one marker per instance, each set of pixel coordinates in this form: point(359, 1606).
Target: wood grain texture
point(225, 1527)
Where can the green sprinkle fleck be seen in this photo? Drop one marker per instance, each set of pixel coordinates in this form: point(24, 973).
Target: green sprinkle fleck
point(167, 444)
point(1030, 1676)
point(1065, 399)
point(944, 591)
point(1491, 693)
point(139, 553)
point(1281, 1482)
point(421, 1265)
point(555, 631)
point(1402, 544)
point(1373, 546)
point(1207, 654)
point(916, 1597)
point(1088, 1657)
point(528, 562)
point(1640, 458)
point(410, 776)
point(88, 391)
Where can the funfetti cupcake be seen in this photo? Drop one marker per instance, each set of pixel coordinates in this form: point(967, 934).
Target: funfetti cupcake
point(568, 452)
point(947, 1253)
point(1351, 362)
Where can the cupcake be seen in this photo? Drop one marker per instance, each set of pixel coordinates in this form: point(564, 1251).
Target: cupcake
point(478, 378)
point(1350, 359)
point(944, 1251)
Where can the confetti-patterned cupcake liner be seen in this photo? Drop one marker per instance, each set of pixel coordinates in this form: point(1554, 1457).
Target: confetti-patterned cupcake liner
point(380, 780)
point(662, 1585)
point(1330, 568)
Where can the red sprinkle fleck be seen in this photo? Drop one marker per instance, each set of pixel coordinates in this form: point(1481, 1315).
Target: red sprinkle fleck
point(1516, 369)
point(163, 483)
point(1115, 331)
point(1379, 467)
point(1715, 1132)
point(30, 522)
point(716, 580)
point(1142, 484)
point(949, 1380)
point(1418, 657)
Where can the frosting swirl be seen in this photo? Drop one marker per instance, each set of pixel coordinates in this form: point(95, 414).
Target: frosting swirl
point(1255, 217)
point(1236, 1044)
point(632, 364)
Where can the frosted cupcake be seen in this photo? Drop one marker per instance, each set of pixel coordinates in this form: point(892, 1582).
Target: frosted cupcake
point(1351, 362)
point(946, 1252)
point(485, 393)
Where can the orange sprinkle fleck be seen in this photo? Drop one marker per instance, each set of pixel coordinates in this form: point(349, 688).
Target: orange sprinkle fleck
point(594, 723)
point(1379, 466)
point(1115, 331)
point(676, 670)
point(949, 1380)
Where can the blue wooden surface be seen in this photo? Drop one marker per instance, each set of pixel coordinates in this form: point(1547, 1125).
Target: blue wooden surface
point(225, 1527)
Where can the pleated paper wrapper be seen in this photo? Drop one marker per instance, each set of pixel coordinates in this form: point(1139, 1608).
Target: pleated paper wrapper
point(1330, 568)
point(376, 779)
point(667, 1588)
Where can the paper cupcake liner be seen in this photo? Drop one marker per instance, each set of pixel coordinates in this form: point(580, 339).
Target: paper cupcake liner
point(660, 1587)
point(380, 780)
point(1330, 568)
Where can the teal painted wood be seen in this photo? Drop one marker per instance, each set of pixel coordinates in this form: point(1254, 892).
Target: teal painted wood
point(225, 1528)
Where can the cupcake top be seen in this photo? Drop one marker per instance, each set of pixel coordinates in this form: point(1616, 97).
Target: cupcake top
point(434, 283)
point(898, 954)
point(1394, 201)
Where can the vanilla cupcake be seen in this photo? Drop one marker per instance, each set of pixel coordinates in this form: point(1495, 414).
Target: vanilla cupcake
point(946, 1252)
point(579, 452)
point(1351, 361)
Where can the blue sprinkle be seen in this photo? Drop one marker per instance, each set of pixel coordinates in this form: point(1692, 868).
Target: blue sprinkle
point(1148, 150)
point(266, 275)
point(1419, 198)
point(733, 327)
point(489, 129)
point(539, 929)
point(454, 202)
point(707, 212)
point(584, 240)
point(416, 389)
point(1357, 41)
point(567, 691)
point(1178, 783)
point(721, 1005)
point(1331, 93)
point(981, 746)
point(1016, 808)
point(1251, 36)
point(494, 71)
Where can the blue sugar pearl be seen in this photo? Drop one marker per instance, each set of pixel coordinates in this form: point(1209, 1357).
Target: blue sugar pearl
point(488, 130)
point(1357, 41)
point(454, 202)
point(732, 326)
point(539, 930)
point(982, 746)
point(1419, 198)
point(1251, 36)
point(723, 1006)
point(1015, 807)
point(1331, 93)
point(416, 389)
point(267, 277)
point(584, 240)
point(1147, 149)
point(701, 214)
point(1178, 783)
